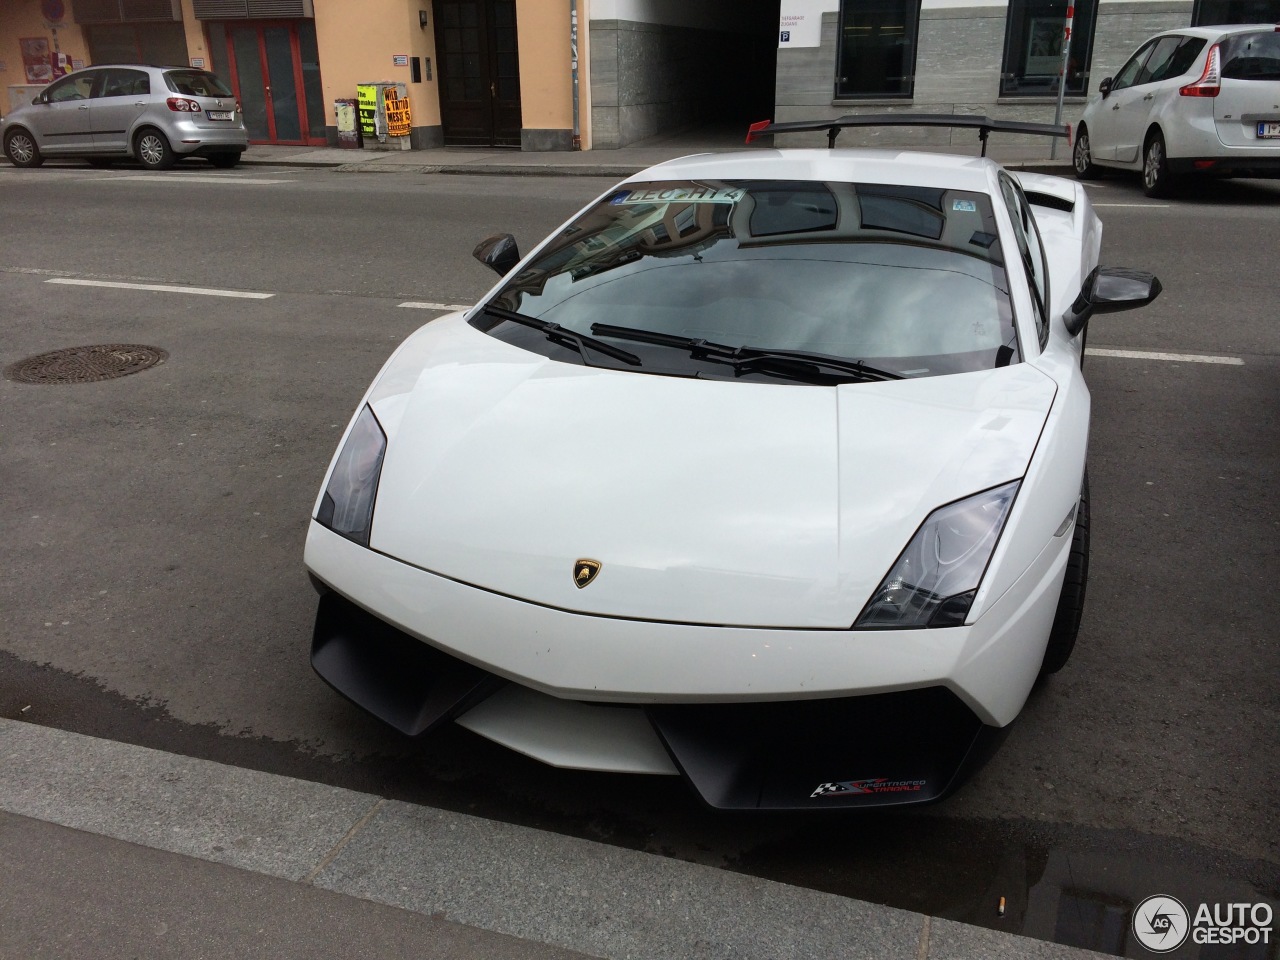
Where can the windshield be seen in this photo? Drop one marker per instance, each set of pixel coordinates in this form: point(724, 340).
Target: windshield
point(196, 83)
point(909, 280)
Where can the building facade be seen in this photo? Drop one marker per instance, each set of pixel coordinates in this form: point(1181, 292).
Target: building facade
point(582, 74)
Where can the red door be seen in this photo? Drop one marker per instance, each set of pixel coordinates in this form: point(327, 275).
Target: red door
point(275, 73)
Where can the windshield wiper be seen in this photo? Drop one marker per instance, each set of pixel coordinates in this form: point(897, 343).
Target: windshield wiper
point(747, 358)
point(562, 335)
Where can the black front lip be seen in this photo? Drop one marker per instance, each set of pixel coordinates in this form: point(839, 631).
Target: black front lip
point(909, 747)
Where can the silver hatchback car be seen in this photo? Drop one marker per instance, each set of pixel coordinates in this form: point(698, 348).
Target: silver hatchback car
point(106, 113)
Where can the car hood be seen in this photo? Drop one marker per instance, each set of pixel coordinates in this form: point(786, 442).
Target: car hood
point(704, 501)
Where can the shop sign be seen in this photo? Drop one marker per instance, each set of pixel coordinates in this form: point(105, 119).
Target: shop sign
point(800, 23)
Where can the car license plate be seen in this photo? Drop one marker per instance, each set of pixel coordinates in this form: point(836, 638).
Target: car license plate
point(1268, 129)
point(226, 115)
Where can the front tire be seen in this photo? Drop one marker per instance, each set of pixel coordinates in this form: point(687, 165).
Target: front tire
point(1157, 181)
point(20, 147)
point(1082, 156)
point(153, 150)
point(1066, 620)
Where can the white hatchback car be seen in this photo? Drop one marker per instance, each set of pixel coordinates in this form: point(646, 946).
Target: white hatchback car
point(1204, 100)
point(766, 469)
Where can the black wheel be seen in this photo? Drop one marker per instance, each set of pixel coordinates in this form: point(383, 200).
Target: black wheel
point(20, 147)
point(153, 150)
point(1157, 181)
point(224, 161)
point(1066, 621)
point(1082, 157)
point(100, 162)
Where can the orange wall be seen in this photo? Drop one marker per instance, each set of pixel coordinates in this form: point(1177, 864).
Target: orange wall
point(357, 42)
point(20, 19)
point(546, 85)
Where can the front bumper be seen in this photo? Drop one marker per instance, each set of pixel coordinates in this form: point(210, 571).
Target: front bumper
point(910, 747)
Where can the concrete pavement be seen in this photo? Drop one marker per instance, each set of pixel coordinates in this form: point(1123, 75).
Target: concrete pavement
point(116, 850)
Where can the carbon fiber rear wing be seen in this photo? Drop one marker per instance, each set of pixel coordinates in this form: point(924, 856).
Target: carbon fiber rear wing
point(984, 125)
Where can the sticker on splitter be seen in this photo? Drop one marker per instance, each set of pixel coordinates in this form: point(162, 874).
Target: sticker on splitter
point(846, 788)
point(964, 206)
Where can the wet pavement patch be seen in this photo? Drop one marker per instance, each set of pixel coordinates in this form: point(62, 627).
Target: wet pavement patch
point(86, 364)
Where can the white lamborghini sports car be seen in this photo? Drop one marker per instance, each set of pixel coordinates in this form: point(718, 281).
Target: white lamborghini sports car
point(766, 470)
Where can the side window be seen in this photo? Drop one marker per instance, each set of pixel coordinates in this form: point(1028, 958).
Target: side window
point(1031, 253)
point(1160, 61)
point(77, 87)
point(1188, 53)
point(1129, 72)
point(125, 83)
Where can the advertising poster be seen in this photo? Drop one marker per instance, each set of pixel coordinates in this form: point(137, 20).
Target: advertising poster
point(35, 59)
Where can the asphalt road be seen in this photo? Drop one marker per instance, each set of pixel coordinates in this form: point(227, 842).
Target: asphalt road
point(151, 537)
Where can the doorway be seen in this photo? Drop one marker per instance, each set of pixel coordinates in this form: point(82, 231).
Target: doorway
point(479, 66)
point(274, 69)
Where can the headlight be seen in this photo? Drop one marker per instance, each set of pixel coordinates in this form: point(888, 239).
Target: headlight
point(935, 579)
point(347, 504)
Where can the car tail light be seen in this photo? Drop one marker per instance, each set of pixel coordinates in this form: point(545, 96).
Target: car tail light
point(183, 105)
point(1210, 82)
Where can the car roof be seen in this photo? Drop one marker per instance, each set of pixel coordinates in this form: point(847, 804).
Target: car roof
point(850, 165)
point(1221, 30)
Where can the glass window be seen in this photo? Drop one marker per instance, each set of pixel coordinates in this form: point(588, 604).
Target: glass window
point(126, 83)
point(1032, 252)
point(1252, 56)
point(1157, 64)
point(906, 279)
point(196, 83)
point(877, 49)
point(1212, 12)
point(78, 86)
point(1128, 74)
point(1034, 35)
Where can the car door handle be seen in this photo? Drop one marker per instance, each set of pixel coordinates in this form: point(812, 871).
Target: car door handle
point(1115, 106)
point(83, 106)
point(1148, 96)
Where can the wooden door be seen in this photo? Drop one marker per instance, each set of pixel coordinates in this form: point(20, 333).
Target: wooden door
point(478, 59)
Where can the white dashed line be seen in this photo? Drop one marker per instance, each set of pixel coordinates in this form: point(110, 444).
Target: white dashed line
point(420, 305)
point(163, 288)
point(183, 178)
point(1175, 357)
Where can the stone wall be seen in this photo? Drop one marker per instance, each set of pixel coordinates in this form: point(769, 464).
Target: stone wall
point(649, 78)
point(958, 59)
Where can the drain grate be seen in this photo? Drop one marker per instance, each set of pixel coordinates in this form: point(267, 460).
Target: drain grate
point(85, 364)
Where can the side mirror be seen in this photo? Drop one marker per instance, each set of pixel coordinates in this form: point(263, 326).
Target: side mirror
point(1110, 290)
point(1105, 87)
point(40, 98)
point(499, 252)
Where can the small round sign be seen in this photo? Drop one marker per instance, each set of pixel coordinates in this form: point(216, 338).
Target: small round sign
point(53, 10)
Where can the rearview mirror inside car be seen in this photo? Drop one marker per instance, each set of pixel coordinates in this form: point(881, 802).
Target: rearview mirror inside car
point(499, 252)
point(1110, 290)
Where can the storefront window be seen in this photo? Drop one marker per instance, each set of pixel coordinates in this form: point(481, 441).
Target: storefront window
point(877, 55)
point(1033, 48)
point(1214, 12)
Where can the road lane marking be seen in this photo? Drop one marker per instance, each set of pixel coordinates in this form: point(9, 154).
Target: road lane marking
point(1176, 357)
point(420, 305)
point(181, 178)
point(163, 288)
point(1144, 206)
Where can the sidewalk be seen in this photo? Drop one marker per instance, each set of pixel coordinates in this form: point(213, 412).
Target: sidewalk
point(614, 164)
point(114, 850)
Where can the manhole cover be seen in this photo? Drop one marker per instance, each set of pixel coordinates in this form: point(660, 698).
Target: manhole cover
point(85, 364)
